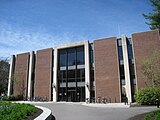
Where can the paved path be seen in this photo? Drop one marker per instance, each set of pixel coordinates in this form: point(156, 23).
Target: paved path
point(77, 111)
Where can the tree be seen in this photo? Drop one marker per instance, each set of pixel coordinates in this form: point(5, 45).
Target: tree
point(4, 72)
point(151, 68)
point(154, 18)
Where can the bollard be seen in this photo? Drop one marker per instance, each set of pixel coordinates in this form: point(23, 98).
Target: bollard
point(157, 100)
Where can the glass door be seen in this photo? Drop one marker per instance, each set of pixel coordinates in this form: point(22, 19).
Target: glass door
point(71, 95)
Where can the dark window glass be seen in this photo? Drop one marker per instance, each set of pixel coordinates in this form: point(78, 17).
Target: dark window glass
point(81, 94)
point(71, 56)
point(80, 73)
point(91, 53)
point(120, 42)
point(131, 65)
point(62, 76)
point(91, 57)
point(120, 53)
point(62, 94)
point(92, 75)
point(80, 55)
point(71, 75)
point(62, 57)
point(130, 53)
point(121, 70)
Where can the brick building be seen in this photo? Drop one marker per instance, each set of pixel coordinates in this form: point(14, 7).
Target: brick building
point(109, 67)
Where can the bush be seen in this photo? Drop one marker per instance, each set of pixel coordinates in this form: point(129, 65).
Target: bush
point(15, 111)
point(12, 98)
point(155, 115)
point(147, 96)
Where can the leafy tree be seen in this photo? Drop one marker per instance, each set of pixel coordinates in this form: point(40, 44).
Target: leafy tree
point(151, 68)
point(154, 18)
point(4, 72)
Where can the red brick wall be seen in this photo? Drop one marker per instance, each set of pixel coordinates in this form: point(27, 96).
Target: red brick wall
point(43, 73)
point(21, 74)
point(143, 44)
point(107, 69)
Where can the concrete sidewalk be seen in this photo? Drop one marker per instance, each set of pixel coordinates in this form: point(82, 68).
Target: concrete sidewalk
point(83, 111)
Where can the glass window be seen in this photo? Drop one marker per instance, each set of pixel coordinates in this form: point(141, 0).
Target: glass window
point(62, 76)
point(80, 73)
point(71, 73)
point(91, 53)
point(120, 42)
point(62, 57)
point(71, 76)
point(80, 55)
point(130, 53)
point(71, 56)
point(120, 53)
point(121, 70)
point(123, 81)
point(92, 75)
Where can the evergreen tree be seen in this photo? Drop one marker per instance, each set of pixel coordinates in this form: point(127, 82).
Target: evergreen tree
point(4, 72)
point(154, 18)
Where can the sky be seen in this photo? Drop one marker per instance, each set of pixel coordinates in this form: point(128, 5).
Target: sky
point(29, 25)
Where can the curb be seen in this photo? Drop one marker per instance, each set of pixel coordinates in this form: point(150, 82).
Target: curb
point(46, 115)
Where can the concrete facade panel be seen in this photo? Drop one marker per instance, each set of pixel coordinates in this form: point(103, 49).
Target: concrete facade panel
point(43, 74)
point(21, 74)
point(107, 69)
point(143, 45)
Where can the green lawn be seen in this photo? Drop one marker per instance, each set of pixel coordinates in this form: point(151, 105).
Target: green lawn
point(15, 111)
point(155, 115)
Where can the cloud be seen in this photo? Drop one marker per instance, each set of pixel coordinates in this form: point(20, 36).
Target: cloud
point(15, 40)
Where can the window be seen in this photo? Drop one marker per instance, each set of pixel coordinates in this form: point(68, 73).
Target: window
point(91, 54)
point(71, 57)
point(80, 55)
point(71, 76)
point(120, 53)
point(119, 42)
point(62, 57)
point(130, 53)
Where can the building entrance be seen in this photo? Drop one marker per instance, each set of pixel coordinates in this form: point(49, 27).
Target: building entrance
point(71, 74)
point(72, 96)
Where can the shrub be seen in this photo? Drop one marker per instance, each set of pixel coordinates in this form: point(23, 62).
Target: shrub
point(15, 111)
point(155, 115)
point(147, 96)
point(12, 98)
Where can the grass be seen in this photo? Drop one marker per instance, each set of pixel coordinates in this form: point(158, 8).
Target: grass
point(15, 111)
point(155, 115)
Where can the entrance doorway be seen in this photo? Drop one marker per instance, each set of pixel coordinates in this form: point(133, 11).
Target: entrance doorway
point(71, 95)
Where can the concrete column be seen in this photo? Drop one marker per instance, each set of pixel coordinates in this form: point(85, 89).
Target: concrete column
point(11, 69)
point(126, 69)
point(54, 84)
point(31, 63)
point(87, 70)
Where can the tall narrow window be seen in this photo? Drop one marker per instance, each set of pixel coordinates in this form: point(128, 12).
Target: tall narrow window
point(71, 57)
point(80, 55)
point(63, 58)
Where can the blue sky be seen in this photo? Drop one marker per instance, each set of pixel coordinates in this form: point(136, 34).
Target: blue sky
point(27, 25)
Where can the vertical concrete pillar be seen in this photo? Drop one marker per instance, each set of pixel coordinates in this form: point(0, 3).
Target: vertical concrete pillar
point(126, 69)
point(11, 69)
point(54, 84)
point(30, 87)
point(87, 70)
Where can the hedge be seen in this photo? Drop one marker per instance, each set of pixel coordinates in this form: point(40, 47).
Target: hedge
point(147, 96)
point(12, 98)
point(15, 111)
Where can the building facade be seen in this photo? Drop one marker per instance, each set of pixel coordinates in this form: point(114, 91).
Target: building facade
point(107, 68)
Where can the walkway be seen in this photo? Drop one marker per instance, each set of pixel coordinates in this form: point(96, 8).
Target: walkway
point(78, 111)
